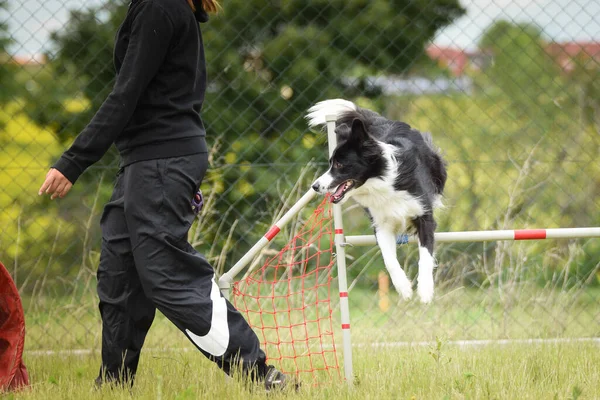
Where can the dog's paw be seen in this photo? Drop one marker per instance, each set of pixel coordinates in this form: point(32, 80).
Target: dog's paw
point(425, 290)
point(404, 287)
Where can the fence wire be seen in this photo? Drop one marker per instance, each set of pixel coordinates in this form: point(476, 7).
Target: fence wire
point(510, 91)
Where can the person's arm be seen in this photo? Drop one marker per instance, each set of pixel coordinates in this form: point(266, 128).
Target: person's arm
point(151, 34)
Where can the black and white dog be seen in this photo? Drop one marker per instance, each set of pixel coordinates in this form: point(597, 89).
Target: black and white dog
point(394, 172)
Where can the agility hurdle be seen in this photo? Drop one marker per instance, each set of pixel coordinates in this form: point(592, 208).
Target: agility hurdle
point(341, 241)
point(487, 236)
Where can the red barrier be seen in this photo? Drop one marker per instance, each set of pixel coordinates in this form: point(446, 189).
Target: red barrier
point(13, 374)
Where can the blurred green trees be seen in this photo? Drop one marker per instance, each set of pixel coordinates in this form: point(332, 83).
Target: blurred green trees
point(4, 42)
point(8, 69)
point(521, 69)
point(267, 63)
point(522, 148)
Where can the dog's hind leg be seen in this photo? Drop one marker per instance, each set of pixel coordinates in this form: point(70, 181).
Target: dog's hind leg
point(386, 239)
point(425, 230)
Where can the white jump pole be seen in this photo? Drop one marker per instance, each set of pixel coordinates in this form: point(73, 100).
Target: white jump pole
point(341, 264)
point(485, 236)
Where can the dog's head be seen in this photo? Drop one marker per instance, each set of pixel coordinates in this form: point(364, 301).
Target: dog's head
point(357, 158)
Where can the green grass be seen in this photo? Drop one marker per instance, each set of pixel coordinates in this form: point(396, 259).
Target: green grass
point(544, 371)
point(517, 313)
point(171, 368)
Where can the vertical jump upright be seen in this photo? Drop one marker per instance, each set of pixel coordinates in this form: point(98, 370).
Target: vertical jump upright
point(340, 252)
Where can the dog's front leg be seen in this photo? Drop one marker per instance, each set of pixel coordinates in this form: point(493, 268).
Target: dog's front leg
point(386, 239)
point(425, 230)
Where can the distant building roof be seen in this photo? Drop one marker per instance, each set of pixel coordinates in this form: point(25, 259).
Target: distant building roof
point(566, 53)
point(28, 59)
point(457, 60)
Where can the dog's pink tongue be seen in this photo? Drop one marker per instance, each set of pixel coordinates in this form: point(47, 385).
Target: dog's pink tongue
point(339, 191)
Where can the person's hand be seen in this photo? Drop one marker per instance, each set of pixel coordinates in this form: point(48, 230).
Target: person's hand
point(56, 184)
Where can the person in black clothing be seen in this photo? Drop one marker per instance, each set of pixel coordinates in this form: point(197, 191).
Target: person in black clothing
point(152, 116)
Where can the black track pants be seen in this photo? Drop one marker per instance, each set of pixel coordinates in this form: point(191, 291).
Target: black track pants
point(147, 263)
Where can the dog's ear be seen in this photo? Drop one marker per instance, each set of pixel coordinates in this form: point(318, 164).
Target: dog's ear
point(358, 131)
point(343, 132)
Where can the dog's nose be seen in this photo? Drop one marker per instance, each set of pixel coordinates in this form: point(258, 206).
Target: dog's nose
point(315, 187)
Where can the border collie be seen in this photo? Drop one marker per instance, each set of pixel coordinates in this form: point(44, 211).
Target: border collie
point(395, 173)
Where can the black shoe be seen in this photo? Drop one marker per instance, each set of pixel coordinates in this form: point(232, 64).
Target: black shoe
point(112, 383)
point(276, 380)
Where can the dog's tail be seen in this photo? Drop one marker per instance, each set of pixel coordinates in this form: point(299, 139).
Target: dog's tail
point(335, 107)
point(344, 112)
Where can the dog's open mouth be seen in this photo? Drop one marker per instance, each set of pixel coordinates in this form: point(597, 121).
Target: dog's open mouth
point(341, 191)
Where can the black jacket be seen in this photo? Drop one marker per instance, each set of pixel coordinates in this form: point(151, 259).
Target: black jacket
point(153, 109)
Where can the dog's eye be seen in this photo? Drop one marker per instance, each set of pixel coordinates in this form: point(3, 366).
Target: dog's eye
point(337, 165)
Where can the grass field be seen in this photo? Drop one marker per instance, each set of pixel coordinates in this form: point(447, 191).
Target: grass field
point(538, 371)
point(172, 369)
point(519, 313)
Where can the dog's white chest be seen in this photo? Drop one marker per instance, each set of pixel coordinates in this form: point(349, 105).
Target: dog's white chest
point(387, 206)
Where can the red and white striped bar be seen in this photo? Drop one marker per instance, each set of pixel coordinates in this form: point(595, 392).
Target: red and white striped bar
point(227, 278)
point(488, 236)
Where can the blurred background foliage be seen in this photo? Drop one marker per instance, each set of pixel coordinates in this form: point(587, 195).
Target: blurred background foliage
point(521, 137)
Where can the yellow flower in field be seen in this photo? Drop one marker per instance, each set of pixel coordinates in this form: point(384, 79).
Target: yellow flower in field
point(76, 105)
point(308, 141)
point(245, 166)
point(245, 188)
point(230, 158)
point(219, 187)
point(237, 146)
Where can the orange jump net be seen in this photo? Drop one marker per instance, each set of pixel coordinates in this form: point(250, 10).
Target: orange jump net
point(288, 304)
